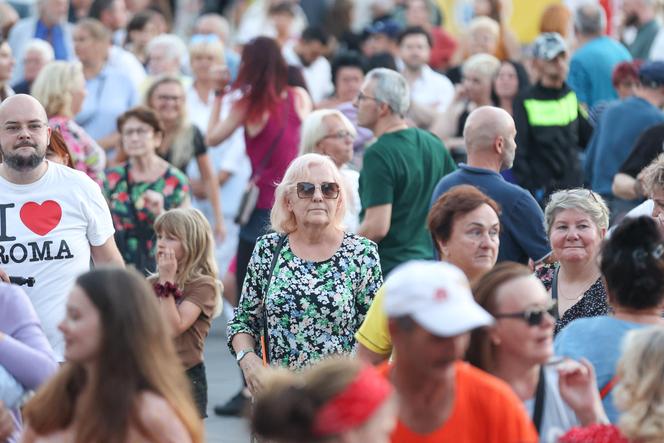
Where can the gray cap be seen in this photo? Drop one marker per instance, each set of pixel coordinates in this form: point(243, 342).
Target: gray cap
point(547, 46)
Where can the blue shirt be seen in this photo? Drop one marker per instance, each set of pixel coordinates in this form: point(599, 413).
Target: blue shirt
point(599, 340)
point(109, 94)
point(591, 68)
point(615, 134)
point(56, 37)
point(522, 234)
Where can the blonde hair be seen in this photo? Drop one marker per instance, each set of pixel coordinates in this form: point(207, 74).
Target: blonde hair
point(282, 219)
point(215, 48)
point(314, 129)
point(190, 226)
point(484, 23)
point(54, 84)
point(581, 199)
point(640, 392)
point(653, 175)
point(485, 65)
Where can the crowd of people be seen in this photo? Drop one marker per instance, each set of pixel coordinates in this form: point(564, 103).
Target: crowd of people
point(418, 220)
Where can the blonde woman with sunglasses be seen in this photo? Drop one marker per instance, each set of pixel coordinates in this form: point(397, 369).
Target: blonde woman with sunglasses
point(309, 301)
point(558, 394)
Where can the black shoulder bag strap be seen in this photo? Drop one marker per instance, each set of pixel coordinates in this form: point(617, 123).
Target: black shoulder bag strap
point(554, 292)
point(265, 345)
point(538, 411)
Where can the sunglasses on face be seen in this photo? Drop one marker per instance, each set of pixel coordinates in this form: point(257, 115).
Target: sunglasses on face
point(533, 317)
point(330, 190)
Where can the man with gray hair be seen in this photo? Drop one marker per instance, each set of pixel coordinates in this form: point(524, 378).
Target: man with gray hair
point(401, 169)
point(166, 54)
point(489, 139)
point(593, 62)
point(36, 55)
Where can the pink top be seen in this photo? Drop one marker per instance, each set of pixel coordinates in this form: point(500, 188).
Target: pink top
point(87, 155)
point(284, 152)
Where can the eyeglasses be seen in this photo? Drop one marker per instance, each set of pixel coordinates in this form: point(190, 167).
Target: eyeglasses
point(361, 96)
point(141, 132)
point(173, 98)
point(339, 135)
point(33, 127)
point(533, 317)
point(330, 190)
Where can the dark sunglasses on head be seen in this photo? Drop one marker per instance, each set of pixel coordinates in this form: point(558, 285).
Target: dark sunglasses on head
point(533, 317)
point(329, 190)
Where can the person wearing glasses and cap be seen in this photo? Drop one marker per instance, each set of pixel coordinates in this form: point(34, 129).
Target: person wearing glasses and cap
point(557, 393)
point(307, 301)
point(431, 313)
point(551, 126)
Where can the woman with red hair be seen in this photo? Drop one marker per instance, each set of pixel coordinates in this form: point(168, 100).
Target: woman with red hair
point(271, 113)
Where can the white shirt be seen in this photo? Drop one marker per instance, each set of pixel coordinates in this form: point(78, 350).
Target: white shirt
point(46, 229)
point(430, 88)
point(354, 205)
point(317, 75)
point(127, 62)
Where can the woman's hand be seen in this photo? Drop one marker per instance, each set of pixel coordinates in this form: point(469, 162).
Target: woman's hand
point(167, 265)
point(578, 389)
point(153, 201)
point(221, 77)
point(6, 423)
point(252, 368)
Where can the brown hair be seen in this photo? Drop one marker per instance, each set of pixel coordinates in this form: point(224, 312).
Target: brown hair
point(480, 351)
point(285, 410)
point(458, 201)
point(137, 355)
point(95, 28)
point(58, 147)
point(556, 18)
point(144, 114)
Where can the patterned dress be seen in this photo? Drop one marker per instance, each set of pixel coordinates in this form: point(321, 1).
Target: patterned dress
point(87, 155)
point(313, 308)
point(173, 185)
point(593, 303)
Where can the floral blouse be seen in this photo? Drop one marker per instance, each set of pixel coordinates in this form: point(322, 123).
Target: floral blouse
point(593, 303)
point(173, 185)
point(313, 308)
point(87, 155)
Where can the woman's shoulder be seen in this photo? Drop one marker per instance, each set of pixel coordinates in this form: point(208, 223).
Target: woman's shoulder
point(155, 413)
point(359, 243)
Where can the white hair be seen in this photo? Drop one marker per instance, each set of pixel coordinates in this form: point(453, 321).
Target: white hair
point(314, 128)
point(176, 48)
point(41, 46)
point(584, 200)
point(391, 88)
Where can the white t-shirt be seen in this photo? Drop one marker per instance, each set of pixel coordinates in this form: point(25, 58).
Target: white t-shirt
point(46, 229)
point(431, 89)
point(318, 75)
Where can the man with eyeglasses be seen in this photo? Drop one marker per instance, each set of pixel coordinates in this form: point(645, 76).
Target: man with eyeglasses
point(399, 173)
point(431, 313)
point(53, 219)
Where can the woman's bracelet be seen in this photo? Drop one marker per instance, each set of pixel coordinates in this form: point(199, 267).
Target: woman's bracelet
point(166, 290)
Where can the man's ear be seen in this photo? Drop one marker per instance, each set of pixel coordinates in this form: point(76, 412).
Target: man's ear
point(499, 144)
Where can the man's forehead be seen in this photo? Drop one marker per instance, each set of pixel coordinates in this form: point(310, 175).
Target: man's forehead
point(21, 109)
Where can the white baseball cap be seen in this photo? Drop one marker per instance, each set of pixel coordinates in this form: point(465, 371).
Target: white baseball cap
point(436, 295)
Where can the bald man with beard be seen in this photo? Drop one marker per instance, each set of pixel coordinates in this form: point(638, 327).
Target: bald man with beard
point(53, 219)
point(489, 138)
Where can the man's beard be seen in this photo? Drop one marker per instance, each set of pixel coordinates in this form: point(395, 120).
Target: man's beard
point(22, 163)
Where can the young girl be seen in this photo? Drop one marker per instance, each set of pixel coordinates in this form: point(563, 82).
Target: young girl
point(187, 288)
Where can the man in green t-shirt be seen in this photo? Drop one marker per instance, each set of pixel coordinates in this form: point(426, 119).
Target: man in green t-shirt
point(399, 173)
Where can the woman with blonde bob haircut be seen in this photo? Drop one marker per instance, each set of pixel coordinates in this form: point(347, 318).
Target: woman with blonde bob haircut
point(187, 288)
point(309, 301)
point(329, 132)
point(60, 88)
point(122, 381)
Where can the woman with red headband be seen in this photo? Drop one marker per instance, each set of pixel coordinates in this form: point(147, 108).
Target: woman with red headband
point(338, 400)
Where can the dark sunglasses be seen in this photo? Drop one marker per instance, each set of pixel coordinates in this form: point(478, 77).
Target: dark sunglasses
point(330, 190)
point(532, 317)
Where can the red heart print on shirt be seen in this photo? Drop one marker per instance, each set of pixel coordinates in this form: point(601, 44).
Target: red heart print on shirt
point(41, 219)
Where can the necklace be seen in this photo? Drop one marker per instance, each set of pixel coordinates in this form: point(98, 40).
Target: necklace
point(586, 284)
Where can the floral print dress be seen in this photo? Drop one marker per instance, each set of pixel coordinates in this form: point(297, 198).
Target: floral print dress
point(313, 308)
point(173, 185)
point(87, 155)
